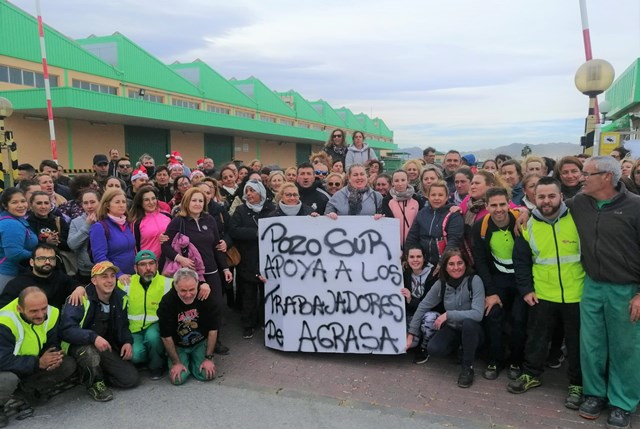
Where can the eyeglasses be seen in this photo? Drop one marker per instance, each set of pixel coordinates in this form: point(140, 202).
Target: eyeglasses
point(321, 173)
point(291, 195)
point(124, 166)
point(45, 258)
point(336, 136)
point(334, 184)
point(587, 174)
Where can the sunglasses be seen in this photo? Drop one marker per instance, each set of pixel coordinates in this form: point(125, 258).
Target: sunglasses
point(321, 173)
point(124, 166)
point(336, 136)
point(334, 184)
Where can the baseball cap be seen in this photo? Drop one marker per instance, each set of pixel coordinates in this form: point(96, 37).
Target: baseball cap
point(144, 255)
point(103, 266)
point(100, 159)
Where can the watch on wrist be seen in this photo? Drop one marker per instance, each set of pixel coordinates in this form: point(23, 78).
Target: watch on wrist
point(210, 357)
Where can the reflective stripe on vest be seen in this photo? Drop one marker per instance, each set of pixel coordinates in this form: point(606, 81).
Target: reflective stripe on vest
point(18, 323)
point(144, 303)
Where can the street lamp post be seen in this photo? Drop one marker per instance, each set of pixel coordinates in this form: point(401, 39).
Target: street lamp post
point(592, 79)
point(6, 110)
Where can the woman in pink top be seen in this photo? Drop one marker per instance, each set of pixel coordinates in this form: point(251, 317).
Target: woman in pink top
point(402, 203)
point(148, 222)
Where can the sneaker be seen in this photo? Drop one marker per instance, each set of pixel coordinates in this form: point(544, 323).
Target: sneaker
point(465, 379)
point(555, 362)
point(591, 408)
point(514, 372)
point(492, 371)
point(618, 419)
point(420, 356)
point(156, 374)
point(574, 398)
point(523, 383)
point(247, 334)
point(221, 349)
point(100, 392)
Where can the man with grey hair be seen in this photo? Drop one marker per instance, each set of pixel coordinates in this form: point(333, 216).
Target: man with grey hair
point(608, 221)
point(189, 329)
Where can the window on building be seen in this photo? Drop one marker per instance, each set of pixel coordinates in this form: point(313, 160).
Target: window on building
point(25, 77)
point(218, 109)
point(146, 97)
point(245, 114)
point(287, 122)
point(186, 104)
point(94, 87)
point(267, 118)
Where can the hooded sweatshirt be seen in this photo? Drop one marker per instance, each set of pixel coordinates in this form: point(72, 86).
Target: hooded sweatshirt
point(358, 156)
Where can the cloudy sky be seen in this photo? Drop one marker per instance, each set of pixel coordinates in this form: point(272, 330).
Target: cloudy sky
point(459, 73)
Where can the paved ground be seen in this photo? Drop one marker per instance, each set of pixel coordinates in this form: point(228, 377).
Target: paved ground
point(259, 387)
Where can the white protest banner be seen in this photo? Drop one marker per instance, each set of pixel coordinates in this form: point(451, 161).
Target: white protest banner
point(332, 285)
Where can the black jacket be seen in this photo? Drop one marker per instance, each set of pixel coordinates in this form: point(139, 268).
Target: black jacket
point(58, 286)
point(244, 231)
point(314, 197)
point(75, 333)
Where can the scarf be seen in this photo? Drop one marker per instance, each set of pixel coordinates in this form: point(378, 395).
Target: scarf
point(473, 208)
point(340, 150)
point(122, 220)
point(402, 196)
point(355, 199)
point(256, 207)
point(290, 210)
point(231, 191)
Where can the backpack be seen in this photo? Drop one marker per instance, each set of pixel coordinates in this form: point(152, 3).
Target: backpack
point(107, 234)
point(469, 287)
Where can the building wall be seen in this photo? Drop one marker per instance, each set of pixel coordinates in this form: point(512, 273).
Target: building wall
point(190, 145)
point(86, 140)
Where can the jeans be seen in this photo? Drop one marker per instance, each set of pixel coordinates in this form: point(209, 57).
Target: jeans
point(447, 340)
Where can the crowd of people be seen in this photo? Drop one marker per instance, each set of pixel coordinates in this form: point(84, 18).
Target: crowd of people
point(524, 263)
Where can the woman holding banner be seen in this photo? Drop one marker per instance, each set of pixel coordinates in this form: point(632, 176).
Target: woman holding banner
point(355, 199)
point(244, 232)
point(462, 294)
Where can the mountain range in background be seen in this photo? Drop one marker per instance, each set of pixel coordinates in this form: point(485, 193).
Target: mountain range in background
point(514, 150)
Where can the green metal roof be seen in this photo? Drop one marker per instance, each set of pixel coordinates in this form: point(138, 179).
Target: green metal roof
point(301, 106)
point(268, 101)
point(624, 93)
point(142, 68)
point(349, 118)
point(384, 130)
point(20, 39)
point(367, 124)
point(215, 86)
point(328, 114)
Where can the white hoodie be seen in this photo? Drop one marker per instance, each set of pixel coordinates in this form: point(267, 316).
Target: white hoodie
point(358, 156)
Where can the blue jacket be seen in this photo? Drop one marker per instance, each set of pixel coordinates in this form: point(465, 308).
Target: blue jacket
point(78, 321)
point(17, 242)
point(120, 248)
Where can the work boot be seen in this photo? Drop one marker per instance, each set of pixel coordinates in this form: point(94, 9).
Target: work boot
point(514, 372)
point(492, 371)
point(100, 392)
point(465, 379)
point(591, 408)
point(574, 398)
point(618, 419)
point(523, 383)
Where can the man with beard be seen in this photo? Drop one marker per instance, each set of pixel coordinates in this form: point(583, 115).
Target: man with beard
point(30, 355)
point(550, 277)
point(145, 290)
point(310, 188)
point(209, 167)
point(54, 282)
